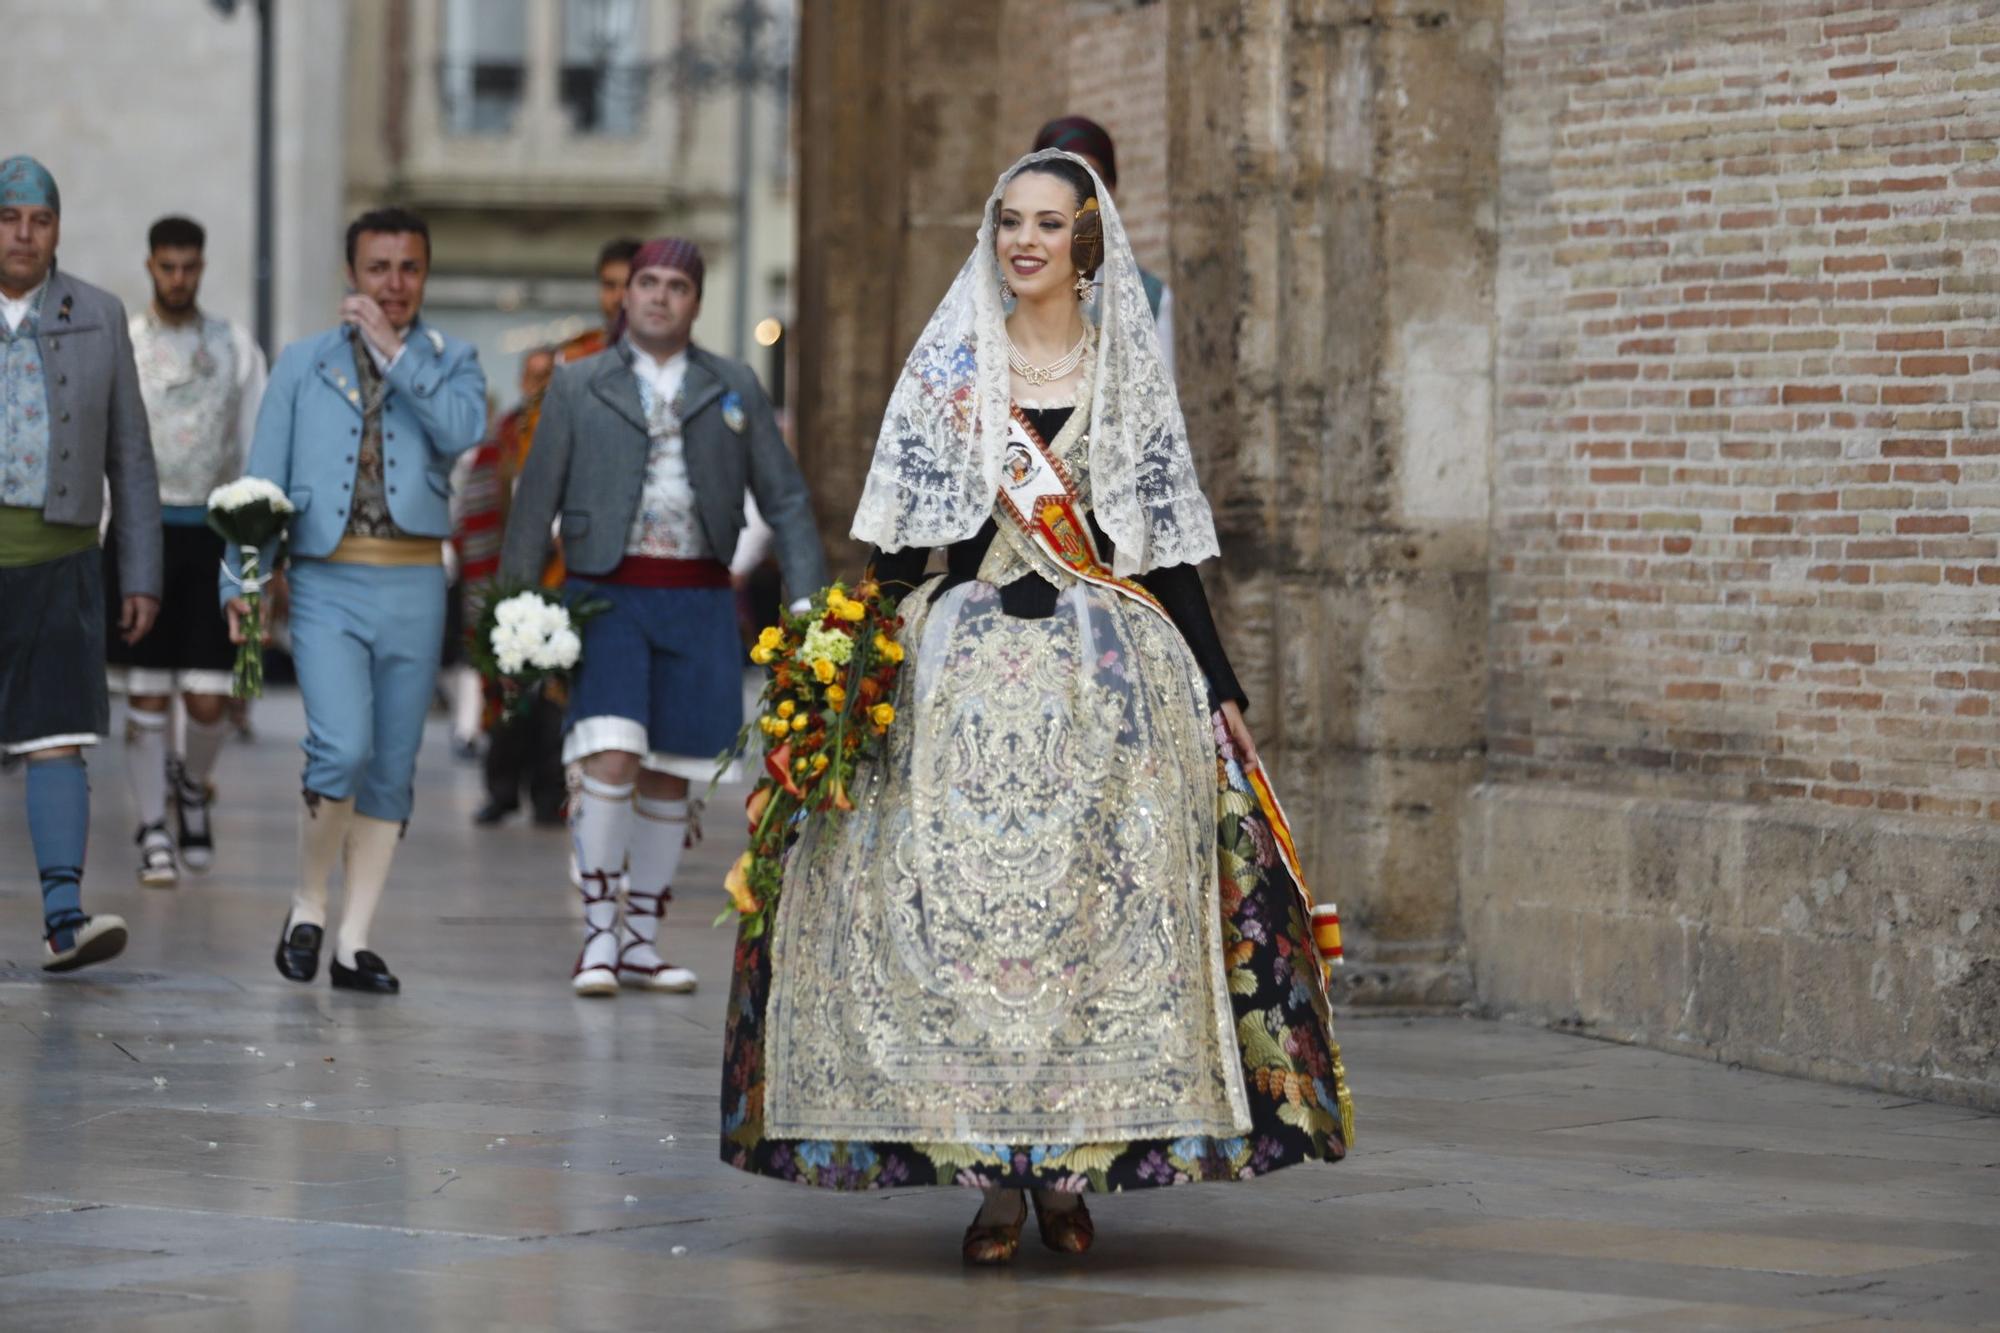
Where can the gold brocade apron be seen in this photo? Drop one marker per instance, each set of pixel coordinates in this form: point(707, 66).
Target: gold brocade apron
point(1015, 936)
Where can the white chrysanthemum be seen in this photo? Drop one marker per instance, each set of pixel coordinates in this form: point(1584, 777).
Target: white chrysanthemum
point(559, 651)
point(509, 662)
point(517, 610)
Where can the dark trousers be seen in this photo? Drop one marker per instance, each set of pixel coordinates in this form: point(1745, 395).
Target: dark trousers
point(528, 749)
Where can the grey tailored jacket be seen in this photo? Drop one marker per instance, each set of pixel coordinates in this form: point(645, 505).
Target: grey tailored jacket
point(97, 427)
point(588, 465)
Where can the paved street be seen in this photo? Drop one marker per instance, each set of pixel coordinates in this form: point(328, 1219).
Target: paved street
point(187, 1142)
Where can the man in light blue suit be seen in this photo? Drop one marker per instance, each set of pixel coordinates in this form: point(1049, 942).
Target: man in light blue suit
point(360, 426)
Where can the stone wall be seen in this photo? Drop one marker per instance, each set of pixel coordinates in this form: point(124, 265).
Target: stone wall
point(1747, 520)
point(1333, 247)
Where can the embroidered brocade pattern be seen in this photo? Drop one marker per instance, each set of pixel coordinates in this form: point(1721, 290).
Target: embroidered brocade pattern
point(1286, 1047)
point(1014, 936)
point(370, 516)
point(24, 413)
point(192, 387)
point(666, 523)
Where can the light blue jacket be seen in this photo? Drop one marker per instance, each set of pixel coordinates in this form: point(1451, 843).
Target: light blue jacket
point(309, 428)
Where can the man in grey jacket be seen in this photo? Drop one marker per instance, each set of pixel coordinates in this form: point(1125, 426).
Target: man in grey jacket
point(71, 418)
point(646, 452)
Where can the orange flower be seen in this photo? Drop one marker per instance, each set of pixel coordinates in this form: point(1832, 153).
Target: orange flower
point(737, 882)
point(759, 802)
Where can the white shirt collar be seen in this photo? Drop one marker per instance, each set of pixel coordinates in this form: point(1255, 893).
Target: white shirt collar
point(663, 377)
point(15, 309)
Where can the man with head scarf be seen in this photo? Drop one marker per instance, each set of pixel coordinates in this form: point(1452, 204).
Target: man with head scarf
point(1092, 142)
point(71, 420)
point(360, 427)
point(648, 452)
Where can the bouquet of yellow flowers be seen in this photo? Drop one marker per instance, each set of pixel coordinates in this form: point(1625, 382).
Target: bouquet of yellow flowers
point(825, 709)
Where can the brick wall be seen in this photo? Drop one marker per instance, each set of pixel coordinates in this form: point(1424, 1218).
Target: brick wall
point(1747, 470)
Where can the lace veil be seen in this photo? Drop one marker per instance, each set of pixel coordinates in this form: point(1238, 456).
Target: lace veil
point(937, 460)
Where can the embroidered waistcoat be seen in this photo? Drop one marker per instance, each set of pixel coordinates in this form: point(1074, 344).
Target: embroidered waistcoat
point(370, 516)
point(192, 400)
point(666, 524)
point(24, 413)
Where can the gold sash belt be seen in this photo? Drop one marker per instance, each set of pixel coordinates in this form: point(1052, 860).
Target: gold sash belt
point(355, 549)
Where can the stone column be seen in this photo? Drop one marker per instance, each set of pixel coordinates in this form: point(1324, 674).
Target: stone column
point(1334, 174)
point(906, 112)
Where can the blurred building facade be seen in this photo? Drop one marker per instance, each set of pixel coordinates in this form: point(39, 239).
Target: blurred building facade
point(529, 132)
point(146, 109)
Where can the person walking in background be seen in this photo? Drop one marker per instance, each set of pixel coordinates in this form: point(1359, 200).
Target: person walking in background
point(526, 749)
point(647, 452)
point(201, 376)
point(360, 427)
point(614, 267)
point(71, 421)
point(1092, 142)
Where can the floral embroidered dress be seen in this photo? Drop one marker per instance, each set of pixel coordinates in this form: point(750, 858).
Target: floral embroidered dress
point(1054, 946)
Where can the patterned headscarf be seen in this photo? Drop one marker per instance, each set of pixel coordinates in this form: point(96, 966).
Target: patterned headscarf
point(670, 252)
point(26, 183)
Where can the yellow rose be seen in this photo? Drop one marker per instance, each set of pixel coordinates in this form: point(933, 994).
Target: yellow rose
point(819, 763)
point(836, 695)
point(823, 671)
point(761, 655)
point(799, 765)
point(798, 723)
point(893, 651)
point(851, 610)
point(771, 638)
point(882, 714)
point(786, 709)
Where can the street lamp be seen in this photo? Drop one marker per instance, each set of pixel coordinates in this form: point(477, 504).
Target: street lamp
point(755, 64)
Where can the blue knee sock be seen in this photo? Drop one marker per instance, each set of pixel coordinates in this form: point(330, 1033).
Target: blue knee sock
point(59, 825)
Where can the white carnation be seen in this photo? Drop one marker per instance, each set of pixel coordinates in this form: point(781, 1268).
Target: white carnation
point(509, 661)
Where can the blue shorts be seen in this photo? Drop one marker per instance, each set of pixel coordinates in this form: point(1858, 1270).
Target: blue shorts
point(664, 665)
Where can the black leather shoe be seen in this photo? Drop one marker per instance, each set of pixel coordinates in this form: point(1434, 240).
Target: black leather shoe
point(369, 973)
point(493, 812)
point(298, 950)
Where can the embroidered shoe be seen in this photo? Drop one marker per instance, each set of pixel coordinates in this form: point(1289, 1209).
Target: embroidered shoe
point(596, 971)
point(156, 857)
point(639, 963)
point(94, 939)
point(191, 800)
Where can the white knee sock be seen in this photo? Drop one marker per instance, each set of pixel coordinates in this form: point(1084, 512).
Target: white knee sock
point(601, 826)
point(659, 836)
point(468, 702)
point(371, 846)
point(323, 824)
point(204, 743)
point(146, 763)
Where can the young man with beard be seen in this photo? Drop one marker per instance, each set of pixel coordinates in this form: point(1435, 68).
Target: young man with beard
point(71, 421)
point(201, 376)
point(648, 451)
point(360, 427)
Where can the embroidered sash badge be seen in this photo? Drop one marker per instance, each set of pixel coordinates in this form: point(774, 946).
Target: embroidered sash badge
point(733, 415)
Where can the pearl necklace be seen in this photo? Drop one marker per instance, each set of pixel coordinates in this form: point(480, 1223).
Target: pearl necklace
point(1055, 370)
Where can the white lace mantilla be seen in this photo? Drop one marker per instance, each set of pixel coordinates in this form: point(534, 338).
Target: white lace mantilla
point(937, 460)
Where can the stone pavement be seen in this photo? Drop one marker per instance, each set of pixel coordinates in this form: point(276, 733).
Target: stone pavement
point(188, 1142)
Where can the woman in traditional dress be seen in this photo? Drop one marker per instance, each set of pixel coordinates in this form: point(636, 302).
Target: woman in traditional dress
point(1054, 948)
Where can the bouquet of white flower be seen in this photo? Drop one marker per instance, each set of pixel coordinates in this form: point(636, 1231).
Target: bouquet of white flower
point(251, 513)
point(528, 639)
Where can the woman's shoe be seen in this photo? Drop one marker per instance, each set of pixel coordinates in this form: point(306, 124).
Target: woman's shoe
point(989, 1243)
point(1065, 1230)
